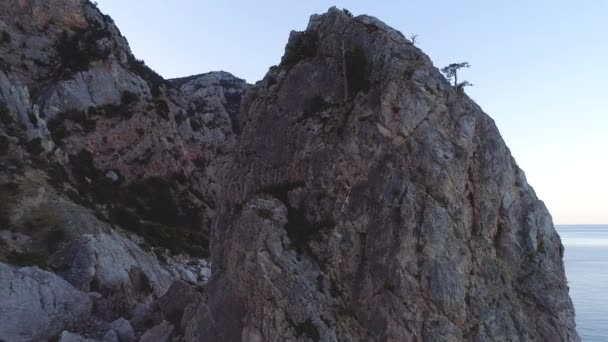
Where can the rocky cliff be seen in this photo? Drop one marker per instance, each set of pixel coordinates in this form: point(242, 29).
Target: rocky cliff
point(352, 194)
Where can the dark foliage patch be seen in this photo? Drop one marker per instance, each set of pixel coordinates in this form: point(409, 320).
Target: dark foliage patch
point(154, 80)
point(315, 105)
point(128, 98)
point(265, 213)
point(307, 328)
point(59, 130)
point(46, 231)
point(305, 45)
point(233, 105)
point(4, 145)
point(195, 123)
point(153, 209)
point(34, 146)
point(7, 193)
point(5, 38)
point(24, 259)
point(124, 109)
point(357, 70)
point(162, 109)
point(179, 118)
point(409, 72)
point(33, 119)
point(77, 51)
point(5, 116)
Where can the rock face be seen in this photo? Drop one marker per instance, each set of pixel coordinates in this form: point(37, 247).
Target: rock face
point(36, 305)
point(370, 200)
point(352, 194)
point(108, 173)
point(146, 156)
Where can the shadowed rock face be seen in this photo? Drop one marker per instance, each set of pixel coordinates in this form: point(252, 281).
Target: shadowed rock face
point(108, 174)
point(369, 200)
point(353, 194)
point(145, 155)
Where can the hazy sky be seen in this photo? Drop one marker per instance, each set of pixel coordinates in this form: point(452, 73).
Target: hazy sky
point(540, 69)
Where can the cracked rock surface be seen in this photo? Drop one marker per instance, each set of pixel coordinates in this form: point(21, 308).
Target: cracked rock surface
point(352, 194)
point(370, 200)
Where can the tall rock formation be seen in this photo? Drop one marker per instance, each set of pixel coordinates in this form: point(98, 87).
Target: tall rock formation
point(352, 194)
point(370, 200)
point(108, 174)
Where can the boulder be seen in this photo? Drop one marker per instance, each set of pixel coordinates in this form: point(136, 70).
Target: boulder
point(160, 333)
point(123, 330)
point(173, 303)
point(37, 305)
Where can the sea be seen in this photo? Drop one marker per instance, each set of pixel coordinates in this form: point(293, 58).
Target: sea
point(586, 262)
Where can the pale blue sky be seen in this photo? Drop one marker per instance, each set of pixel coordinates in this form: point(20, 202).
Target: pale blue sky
point(539, 68)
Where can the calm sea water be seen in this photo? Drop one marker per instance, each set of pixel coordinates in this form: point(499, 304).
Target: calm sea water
point(586, 261)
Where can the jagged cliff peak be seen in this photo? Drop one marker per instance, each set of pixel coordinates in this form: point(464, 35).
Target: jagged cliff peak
point(352, 194)
point(371, 200)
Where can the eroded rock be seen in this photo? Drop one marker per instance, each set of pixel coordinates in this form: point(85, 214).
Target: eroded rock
point(372, 200)
point(37, 305)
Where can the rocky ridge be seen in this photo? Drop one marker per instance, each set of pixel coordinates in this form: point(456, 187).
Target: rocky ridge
point(352, 194)
point(108, 175)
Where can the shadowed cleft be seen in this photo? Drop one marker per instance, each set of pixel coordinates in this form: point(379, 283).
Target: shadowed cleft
point(299, 229)
point(357, 71)
point(307, 328)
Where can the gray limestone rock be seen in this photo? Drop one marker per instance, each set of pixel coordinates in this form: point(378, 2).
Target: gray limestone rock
point(370, 200)
point(67, 336)
point(123, 330)
point(160, 333)
point(352, 194)
point(37, 305)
